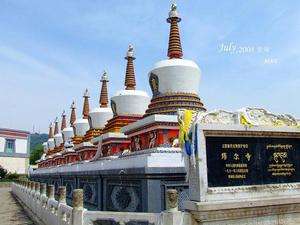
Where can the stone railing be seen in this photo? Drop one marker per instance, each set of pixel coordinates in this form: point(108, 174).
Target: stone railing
point(38, 200)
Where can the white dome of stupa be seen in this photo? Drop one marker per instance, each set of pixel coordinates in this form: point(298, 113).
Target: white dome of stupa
point(68, 133)
point(51, 144)
point(175, 76)
point(58, 139)
point(81, 126)
point(45, 147)
point(133, 102)
point(99, 117)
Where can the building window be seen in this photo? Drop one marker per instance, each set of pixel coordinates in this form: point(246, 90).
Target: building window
point(10, 146)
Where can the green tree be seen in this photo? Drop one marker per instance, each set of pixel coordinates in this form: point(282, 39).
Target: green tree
point(3, 172)
point(36, 153)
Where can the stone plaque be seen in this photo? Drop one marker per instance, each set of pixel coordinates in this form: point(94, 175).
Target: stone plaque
point(234, 161)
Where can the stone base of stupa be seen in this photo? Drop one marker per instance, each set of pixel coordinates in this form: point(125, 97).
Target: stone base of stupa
point(134, 182)
point(263, 211)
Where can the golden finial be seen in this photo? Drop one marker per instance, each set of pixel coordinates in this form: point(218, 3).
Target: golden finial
point(73, 105)
point(104, 76)
point(173, 7)
point(86, 93)
point(130, 52)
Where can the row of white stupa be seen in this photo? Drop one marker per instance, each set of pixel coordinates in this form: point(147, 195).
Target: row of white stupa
point(128, 102)
point(174, 75)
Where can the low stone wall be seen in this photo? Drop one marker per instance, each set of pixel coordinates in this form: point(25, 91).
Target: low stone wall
point(129, 190)
point(39, 199)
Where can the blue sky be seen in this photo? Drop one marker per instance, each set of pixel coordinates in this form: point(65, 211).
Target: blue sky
point(50, 51)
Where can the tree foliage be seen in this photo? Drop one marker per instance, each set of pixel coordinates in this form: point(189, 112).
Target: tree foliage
point(12, 176)
point(36, 153)
point(3, 172)
point(36, 139)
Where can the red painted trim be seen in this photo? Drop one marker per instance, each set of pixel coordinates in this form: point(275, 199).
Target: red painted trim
point(153, 128)
point(115, 141)
point(15, 134)
point(155, 125)
point(86, 149)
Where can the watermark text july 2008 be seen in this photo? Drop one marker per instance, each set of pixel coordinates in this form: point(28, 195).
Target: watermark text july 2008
point(231, 48)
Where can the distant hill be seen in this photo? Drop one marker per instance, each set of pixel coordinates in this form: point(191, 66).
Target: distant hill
point(36, 139)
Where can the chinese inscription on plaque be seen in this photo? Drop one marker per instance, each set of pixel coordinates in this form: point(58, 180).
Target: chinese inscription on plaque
point(233, 161)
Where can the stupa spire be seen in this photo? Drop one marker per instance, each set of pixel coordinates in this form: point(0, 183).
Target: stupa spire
point(73, 114)
point(174, 49)
point(50, 131)
point(103, 101)
point(130, 77)
point(63, 121)
point(86, 105)
point(56, 126)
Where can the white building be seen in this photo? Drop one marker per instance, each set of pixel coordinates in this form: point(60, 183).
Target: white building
point(14, 150)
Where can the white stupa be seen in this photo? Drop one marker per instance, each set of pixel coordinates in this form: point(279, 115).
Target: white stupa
point(174, 81)
point(100, 115)
point(45, 147)
point(45, 150)
point(51, 144)
point(130, 101)
point(68, 132)
point(81, 126)
point(58, 139)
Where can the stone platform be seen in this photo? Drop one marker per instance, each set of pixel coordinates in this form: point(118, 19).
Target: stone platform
point(136, 182)
point(265, 211)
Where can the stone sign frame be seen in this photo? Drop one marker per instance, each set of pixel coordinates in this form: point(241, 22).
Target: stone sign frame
point(198, 178)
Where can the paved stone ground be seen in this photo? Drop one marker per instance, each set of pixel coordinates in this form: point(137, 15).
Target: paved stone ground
point(11, 213)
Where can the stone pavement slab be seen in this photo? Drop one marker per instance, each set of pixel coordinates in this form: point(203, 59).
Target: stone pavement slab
point(11, 213)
